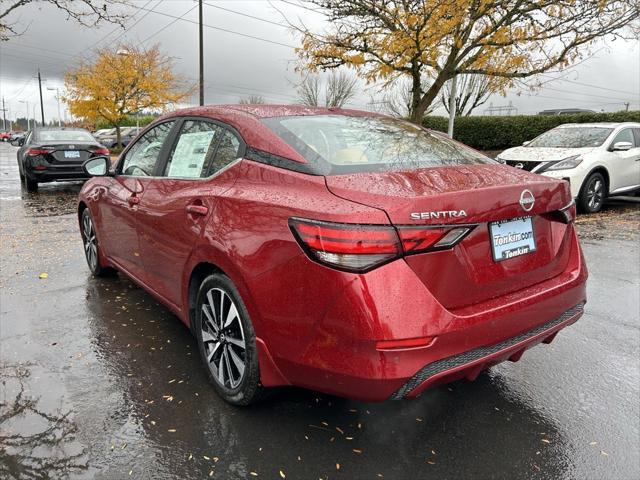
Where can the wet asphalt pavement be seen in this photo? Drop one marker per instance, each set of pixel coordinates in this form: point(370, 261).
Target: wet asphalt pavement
point(99, 381)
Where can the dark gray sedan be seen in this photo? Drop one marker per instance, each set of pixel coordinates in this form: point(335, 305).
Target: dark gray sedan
point(52, 154)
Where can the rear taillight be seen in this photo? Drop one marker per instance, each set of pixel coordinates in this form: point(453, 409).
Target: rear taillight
point(360, 248)
point(422, 239)
point(100, 151)
point(350, 247)
point(568, 214)
point(33, 152)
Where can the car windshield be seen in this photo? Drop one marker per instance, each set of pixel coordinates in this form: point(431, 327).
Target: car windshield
point(64, 136)
point(578, 137)
point(336, 144)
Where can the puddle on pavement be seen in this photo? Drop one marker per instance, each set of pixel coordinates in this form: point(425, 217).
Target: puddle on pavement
point(36, 443)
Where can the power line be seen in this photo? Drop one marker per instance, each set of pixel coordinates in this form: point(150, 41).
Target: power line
point(245, 15)
point(168, 25)
point(225, 30)
point(561, 79)
point(118, 28)
point(147, 12)
point(581, 93)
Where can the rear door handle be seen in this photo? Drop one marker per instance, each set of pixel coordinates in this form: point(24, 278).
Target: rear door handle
point(197, 210)
point(133, 200)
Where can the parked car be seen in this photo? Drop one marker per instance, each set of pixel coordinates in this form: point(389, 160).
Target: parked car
point(338, 250)
point(565, 111)
point(126, 135)
point(51, 154)
point(598, 159)
point(103, 133)
point(16, 136)
point(5, 136)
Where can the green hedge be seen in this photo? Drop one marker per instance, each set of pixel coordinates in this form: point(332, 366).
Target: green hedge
point(500, 132)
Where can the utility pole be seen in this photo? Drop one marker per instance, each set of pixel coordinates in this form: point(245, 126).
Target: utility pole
point(201, 54)
point(626, 106)
point(41, 103)
point(4, 117)
point(452, 107)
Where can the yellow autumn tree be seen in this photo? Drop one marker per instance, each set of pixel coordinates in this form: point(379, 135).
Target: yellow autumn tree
point(431, 41)
point(121, 82)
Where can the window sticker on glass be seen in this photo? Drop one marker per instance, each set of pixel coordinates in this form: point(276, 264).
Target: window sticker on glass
point(190, 154)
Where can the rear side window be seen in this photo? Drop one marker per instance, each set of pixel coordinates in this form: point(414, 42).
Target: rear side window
point(202, 149)
point(336, 144)
point(194, 150)
point(228, 151)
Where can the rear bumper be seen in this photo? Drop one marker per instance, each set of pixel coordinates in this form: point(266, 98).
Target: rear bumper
point(470, 363)
point(56, 172)
point(342, 354)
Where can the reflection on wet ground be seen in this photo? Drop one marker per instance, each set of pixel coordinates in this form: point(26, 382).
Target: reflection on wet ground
point(99, 381)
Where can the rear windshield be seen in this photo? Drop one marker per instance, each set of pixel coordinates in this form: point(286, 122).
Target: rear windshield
point(64, 136)
point(336, 144)
point(578, 137)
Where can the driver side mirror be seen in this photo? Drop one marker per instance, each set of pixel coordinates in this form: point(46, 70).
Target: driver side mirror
point(97, 166)
point(621, 146)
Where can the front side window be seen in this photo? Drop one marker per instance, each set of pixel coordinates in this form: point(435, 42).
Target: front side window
point(141, 159)
point(625, 135)
point(336, 144)
point(572, 137)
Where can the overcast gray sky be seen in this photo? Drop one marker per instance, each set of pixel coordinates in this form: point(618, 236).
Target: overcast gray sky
point(237, 66)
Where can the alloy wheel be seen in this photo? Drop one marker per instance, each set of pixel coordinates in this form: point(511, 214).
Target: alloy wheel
point(595, 194)
point(90, 241)
point(223, 338)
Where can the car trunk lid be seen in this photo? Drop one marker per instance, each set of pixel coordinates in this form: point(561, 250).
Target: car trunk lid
point(71, 152)
point(469, 195)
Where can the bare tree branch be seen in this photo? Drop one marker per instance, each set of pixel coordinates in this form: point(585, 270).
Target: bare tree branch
point(423, 40)
point(86, 12)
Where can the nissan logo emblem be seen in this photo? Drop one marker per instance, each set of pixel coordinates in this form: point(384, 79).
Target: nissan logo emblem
point(527, 200)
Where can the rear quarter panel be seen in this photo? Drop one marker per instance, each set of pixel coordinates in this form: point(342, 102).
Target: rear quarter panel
point(248, 237)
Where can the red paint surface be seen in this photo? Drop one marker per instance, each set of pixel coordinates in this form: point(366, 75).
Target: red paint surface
point(318, 327)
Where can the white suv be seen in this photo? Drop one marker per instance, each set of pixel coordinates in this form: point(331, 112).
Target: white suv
point(598, 159)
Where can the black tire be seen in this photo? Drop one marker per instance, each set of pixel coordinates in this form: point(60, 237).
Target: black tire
point(592, 193)
point(20, 172)
point(221, 350)
point(91, 245)
point(32, 185)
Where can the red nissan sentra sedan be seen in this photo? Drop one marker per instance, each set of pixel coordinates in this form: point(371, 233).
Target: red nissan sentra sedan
point(337, 250)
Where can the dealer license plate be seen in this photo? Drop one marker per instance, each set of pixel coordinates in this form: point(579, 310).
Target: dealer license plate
point(512, 238)
point(71, 154)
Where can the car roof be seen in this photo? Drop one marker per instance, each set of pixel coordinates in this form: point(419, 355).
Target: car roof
point(246, 120)
point(599, 125)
